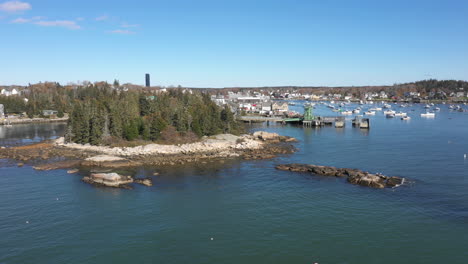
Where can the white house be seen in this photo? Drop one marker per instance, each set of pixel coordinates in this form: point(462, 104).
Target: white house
point(8, 92)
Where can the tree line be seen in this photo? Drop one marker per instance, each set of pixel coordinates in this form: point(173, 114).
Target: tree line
point(100, 113)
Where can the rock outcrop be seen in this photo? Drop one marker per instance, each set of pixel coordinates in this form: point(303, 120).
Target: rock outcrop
point(108, 179)
point(64, 164)
point(145, 181)
point(115, 180)
point(354, 176)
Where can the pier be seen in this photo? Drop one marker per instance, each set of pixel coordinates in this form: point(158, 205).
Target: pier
point(308, 119)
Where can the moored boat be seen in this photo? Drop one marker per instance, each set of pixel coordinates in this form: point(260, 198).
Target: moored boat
point(428, 114)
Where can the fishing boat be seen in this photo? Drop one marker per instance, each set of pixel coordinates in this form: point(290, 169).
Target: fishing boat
point(389, 112)
point(406, 118)
point(437, 109)
point(400, 114)
point(390, 115)
point(428, 114)
point(369, 113)
point(347, 112)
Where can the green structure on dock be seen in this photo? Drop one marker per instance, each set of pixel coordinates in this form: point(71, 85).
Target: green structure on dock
point(308, 114)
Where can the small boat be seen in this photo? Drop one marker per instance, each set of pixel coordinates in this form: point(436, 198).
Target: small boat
point(437, 109)
point(451, 107)
point(387, 106)
point(347, 112)
point(428, 114)
point(356, 111)
point(369, 113)
point(389, 112)
point(400, 114)
point(427, 106)
point(390, 115)
point(291, 103)
point(406, 118)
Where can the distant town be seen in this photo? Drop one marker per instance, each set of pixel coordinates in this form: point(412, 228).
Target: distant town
point(262, 100)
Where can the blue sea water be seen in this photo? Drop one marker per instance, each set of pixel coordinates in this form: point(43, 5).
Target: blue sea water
point(248, 212)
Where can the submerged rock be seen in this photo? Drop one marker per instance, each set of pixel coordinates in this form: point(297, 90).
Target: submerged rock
point(354, 176)
point(108, 179)
point(145, 181)
point(64, 164)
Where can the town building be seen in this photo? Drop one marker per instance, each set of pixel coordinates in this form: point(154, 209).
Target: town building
point(49, 112)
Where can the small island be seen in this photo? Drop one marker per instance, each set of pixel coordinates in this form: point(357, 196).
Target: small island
point(110, 128)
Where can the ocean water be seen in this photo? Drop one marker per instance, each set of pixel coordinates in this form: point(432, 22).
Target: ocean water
point(248, 212)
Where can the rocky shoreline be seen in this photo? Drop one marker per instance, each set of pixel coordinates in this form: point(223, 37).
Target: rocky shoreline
point(354, 176)
point(57, 154)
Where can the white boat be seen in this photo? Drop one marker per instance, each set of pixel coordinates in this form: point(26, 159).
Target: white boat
point(291, 103)
point(389, 112)
point(428, 114)
point(387, 106)
point(390, 115)
point(347, 112)
point(369, 113)
point(400, 114)
point(437, 109)
point(406, 118)
point(356, 111)
point(427, 106)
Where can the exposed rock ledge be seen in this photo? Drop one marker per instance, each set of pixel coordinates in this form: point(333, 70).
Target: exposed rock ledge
point(354, 176)
point(216, 144)
point(57, 154)
point(114, 180)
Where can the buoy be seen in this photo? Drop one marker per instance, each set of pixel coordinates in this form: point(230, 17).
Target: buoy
point(57, 199)
point(27, 222)
point(211, 238)
point(464, 156)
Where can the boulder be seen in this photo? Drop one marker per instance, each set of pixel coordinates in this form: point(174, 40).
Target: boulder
point(266, 135)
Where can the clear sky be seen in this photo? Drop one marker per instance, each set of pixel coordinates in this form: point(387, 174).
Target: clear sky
point(219, 43)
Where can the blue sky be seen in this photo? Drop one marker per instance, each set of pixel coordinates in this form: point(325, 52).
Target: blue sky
point(219, 43)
